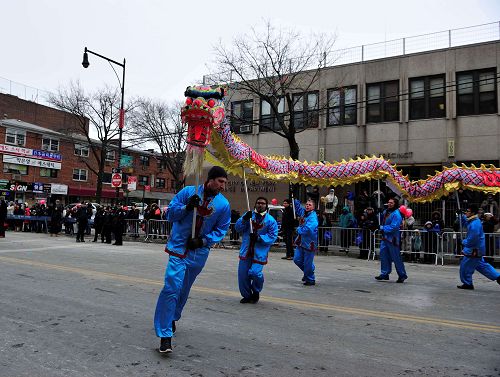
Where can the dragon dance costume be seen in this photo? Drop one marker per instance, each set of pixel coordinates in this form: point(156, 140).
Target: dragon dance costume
point(184, 265)
point(254, 251)
point(473, 251)
point(306, 242)
point(390, 245)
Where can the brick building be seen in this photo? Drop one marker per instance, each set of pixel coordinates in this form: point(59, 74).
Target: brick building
point(43, 158)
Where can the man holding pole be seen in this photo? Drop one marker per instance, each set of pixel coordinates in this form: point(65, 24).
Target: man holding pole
point(188, 254)
point(256, 241)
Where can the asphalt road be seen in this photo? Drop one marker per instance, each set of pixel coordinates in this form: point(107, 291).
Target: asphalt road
point(86, 309)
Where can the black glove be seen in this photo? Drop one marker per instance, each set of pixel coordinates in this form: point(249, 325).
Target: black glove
point(254, 237)
point(247, 216)
point(194, 243)
point(193, 201)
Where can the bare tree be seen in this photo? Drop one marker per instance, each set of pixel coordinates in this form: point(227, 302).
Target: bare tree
point(278, 67)
point(160, 123)
point(96, 113)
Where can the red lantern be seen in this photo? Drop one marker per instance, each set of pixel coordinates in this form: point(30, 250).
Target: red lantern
point(274, 202)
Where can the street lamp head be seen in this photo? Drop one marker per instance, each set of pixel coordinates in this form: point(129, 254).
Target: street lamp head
point(85, 61)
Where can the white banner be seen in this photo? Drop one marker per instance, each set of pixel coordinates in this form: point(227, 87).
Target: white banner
point(56, 188)
point(16, 150)
point(31, 162)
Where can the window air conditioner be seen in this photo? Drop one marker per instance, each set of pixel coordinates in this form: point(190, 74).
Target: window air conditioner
point(246, 128)
point(20, 142)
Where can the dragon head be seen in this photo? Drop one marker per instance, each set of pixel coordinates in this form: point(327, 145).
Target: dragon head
point(203, 110)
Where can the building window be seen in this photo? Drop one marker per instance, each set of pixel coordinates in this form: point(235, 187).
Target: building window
point(110, 155)
point(382, 102)
point(162, 164)
point(144, 160)
point(106, 178)
point(342, 107)
point(143, 180)
point(16, 137)
point(80, 174)
point(160, 182)
point(242, 115)
point(81, 150)
point(48, 173)
point(15, 168)
point(305, 110)
point(477, 92)
point(427, 97)
point(49, 144)
point(268, 118)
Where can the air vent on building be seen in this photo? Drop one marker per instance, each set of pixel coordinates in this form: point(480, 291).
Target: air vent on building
point(246, 128)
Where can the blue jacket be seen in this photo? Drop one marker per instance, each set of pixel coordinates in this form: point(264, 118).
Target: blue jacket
point(267, 230)
point(307, 230)
point(475, 238)
point(391, 224)
point(215, 221)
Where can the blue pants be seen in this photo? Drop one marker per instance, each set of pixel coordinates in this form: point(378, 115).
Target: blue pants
point(469, 265)
point(250, 277)
point(179, 277)
point(305, 261)
point(390, 253)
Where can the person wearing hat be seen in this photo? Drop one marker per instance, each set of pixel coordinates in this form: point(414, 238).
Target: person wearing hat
point(189, 254)
point(254, 249)
point(473, 250)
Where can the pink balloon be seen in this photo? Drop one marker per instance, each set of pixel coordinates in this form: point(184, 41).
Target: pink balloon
point(274, 201)
point(42, 201)
point(402, 209)
point(409, 212)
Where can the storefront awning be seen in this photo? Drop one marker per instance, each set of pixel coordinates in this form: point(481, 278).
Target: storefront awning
point(89, 191)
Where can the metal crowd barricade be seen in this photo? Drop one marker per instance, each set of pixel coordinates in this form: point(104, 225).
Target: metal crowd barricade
point(344, 239)
point(430, 246)
point(134, 228)
point(157, 229)
point(37, 223)
point(452, 245)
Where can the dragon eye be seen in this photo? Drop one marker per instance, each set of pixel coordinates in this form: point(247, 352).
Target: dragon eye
point(211, 103)
point(189, 101)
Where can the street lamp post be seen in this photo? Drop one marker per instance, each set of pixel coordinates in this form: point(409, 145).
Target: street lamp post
point(85, 64)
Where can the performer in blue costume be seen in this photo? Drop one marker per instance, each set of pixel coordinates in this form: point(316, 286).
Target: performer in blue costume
point(306, 241)
point(391, 243)
point(188, 255)
point(473, 251)
point(254, 249)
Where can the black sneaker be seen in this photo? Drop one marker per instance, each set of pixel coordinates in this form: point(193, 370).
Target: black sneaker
point(165, 345)
point(465, 286)
point(400, 280)
point(498, 280)
point(309, 283)
point(284, 257)
point(245, 300)
point(173, 327)
point(255, 297)
point(382, 277)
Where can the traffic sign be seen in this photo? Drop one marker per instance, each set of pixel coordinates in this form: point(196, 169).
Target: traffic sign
point(116, 170)
point(116, 180)
point(131, 183)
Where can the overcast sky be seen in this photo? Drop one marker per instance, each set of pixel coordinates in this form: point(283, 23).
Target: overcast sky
point(167, 44)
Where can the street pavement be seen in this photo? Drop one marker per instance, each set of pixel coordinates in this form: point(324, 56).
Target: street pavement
point(86, 309)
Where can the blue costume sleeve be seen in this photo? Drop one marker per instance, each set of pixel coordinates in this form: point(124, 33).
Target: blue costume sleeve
point(299, 210)
point(219, 230)
point(272, 232)
point(310, 226)
point(177, 207)
point(473, 235)
point(394, 224)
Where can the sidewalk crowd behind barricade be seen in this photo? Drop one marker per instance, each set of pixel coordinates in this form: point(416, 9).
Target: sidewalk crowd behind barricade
point(352, 226)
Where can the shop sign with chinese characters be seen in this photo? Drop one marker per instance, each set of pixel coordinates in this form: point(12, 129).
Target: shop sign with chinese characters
point(19, 160)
